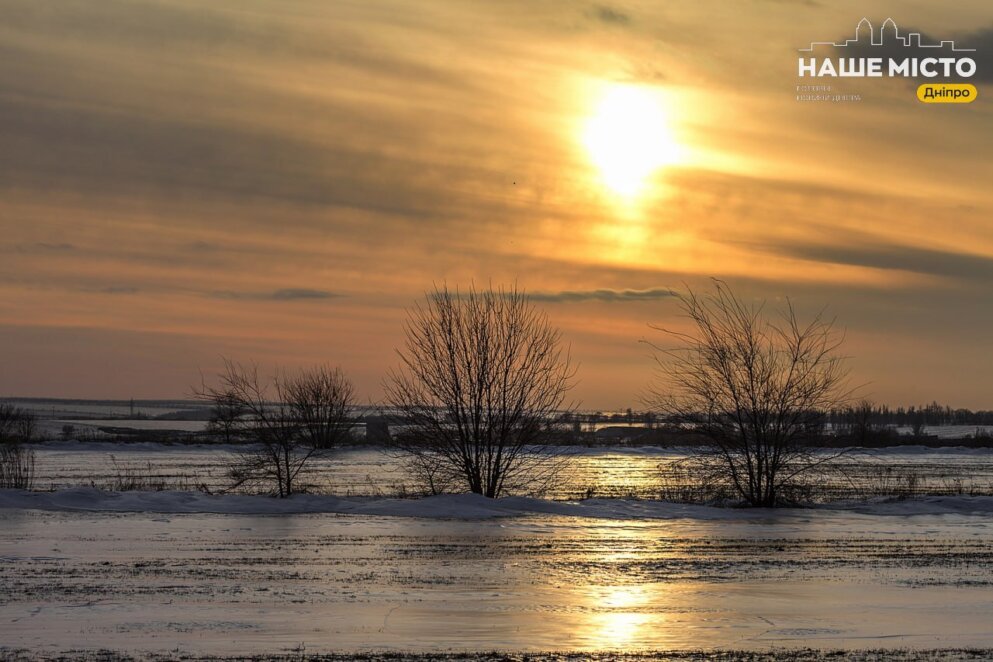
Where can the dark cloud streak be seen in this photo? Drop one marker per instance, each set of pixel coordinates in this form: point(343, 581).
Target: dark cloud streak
point(875, 254)
point(288, 294)
point(603, 295)
point(610, 15)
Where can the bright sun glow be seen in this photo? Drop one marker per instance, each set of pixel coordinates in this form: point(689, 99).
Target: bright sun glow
point(621, 619)
point(628, 137)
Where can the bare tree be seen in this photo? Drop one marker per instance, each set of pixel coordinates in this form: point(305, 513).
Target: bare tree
point(859, 420)
point(755, 389)
point(290, 418)
point(918, 423)
point(320, 401)
point(17, 427)
point(16, 424)
point(481, 382)
point(225, 413)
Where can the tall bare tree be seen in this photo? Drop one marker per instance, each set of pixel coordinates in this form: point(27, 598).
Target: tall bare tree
point(290, 419)
point(755, 388)
point(482, 379)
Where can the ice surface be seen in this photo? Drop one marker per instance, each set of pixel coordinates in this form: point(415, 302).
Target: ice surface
point(251, 583)
point(237, 574)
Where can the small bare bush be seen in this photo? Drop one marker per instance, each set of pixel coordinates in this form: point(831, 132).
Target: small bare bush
point(290, 419)
point(16, 466)
point(17, 462)
point(695, 479)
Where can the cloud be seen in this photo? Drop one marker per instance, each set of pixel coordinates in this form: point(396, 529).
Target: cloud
point(982, 41)
point(230, 134)
point(603, 295)
point(302, 293)
point(609, 15)
point(44, 247)
point(875, 254)
point(288, 294)
point(202, 246)
point(805, 3)
point(119, 289)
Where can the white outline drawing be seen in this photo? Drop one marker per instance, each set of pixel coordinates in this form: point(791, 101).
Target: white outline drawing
point(912, 40)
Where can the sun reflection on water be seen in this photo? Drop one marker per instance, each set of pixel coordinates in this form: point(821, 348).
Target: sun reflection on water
point(622, 618)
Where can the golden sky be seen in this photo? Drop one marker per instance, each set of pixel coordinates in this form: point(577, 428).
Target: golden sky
point(277, 181)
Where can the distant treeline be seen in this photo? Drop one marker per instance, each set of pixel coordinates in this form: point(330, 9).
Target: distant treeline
point(866, 412)
point(926, 415)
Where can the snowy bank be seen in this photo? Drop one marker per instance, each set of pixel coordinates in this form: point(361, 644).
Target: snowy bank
point(456, 506)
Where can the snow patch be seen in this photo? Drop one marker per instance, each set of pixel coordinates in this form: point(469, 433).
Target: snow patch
point(459, 506)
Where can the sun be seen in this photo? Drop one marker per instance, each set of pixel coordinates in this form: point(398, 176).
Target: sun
point(629, 137)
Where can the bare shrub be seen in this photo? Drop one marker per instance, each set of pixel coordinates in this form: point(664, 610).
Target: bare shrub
point(756, 390)
point(696, 479)
point(16, 424)
point(426, 471)
point(225, 416)
point(482, 379)
point(132, 477)
point(16, 466)
point(17, 462)
point(289, 418)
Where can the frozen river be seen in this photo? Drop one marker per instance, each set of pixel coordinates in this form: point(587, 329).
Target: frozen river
point(239, 584)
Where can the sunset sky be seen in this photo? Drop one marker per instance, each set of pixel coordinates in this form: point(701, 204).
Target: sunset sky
point(278, 181)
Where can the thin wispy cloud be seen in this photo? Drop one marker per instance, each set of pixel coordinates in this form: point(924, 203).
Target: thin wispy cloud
point(289, 294)
point(604, 295)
